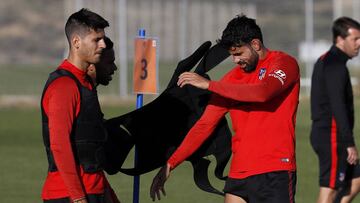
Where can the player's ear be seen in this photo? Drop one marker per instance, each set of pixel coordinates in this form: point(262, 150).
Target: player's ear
point(340, 40)
point(256, 44)
point(75, 41)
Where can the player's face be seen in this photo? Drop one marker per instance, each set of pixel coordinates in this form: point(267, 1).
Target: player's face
point(106, 67)
point(351, 43)
point(245, 56)
point(91, 46)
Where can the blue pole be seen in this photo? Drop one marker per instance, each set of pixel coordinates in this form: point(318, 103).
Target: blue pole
point(139, 104)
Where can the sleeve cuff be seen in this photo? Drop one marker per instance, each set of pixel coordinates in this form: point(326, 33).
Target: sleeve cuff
point(171, 163)
point(348, 142)
point(211, 85)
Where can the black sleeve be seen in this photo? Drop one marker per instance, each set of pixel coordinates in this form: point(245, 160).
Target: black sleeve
point(336, 79)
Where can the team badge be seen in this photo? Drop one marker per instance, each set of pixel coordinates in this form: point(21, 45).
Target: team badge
point(262, 73)
point(341, 176)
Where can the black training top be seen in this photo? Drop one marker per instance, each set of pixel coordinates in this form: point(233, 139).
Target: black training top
point(331, 95)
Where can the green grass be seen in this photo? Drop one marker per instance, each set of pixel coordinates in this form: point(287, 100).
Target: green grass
point(30, 79)
point(307, 166)
point(23, 163)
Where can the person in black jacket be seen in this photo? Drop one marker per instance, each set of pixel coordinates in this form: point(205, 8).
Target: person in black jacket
point(332, 114)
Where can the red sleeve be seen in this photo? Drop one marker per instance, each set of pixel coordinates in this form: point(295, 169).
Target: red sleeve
point(202, 129)
point(62, 107)
point(282, 73)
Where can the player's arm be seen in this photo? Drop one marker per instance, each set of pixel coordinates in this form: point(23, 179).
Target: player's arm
point(281, 74)
point(63, 99)
point(335, 80)
point(202, 129)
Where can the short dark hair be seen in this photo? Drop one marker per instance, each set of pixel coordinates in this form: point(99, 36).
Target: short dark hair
point(239, 31)
point(82, 22)
point(341, 27)
point(109, 44)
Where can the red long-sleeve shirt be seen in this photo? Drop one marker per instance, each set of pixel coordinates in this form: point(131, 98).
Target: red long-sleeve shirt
point(262, 106)
point(61, 104)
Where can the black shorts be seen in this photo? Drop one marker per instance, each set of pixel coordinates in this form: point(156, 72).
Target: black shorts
point(273, 187)
point(335, 171)
point(93, 198)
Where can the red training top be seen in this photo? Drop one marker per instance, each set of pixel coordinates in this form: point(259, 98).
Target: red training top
point(62, 104)
point(262, 105)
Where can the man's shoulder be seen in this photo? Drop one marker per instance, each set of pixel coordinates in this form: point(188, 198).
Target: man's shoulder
point(330, 62)
point(62, 77)
point(63, 84)
point(235, 71)
point(280, 59)
point(277, 54)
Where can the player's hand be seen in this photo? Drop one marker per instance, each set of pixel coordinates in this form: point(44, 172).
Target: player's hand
point(83, 200)
point(353, 156)
point(193, 79)
point(159, 182)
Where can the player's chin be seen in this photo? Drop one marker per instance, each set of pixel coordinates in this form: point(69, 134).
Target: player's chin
point(242, 65)
point(354, 54)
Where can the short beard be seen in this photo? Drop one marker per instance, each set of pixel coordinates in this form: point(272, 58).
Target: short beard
point(252, 65)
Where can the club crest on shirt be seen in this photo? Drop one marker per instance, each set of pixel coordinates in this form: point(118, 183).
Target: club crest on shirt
point(262, 73)
point(280, 75)
point(341, 176)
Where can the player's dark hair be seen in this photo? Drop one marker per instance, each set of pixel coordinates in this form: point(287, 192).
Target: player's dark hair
point(240, 30)
point(82, 22)
point(341, 27)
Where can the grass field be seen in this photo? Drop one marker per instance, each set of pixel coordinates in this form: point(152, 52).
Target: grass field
point(29, 79)
point(23, 163)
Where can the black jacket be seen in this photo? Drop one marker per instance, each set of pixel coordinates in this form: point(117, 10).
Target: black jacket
point(331, 95)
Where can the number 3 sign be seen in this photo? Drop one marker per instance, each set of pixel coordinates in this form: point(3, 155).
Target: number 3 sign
point(145, 66)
